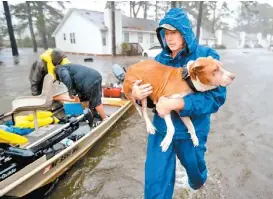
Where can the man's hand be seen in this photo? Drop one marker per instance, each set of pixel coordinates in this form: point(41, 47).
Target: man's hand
point(165, 105)
point(141, 92)
point(72, 94)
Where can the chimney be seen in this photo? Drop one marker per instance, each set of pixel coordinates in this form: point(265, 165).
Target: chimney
point(268, 37)
point(259, 37)
point(201, 41)
point(107, 17)
point(219, 36)
point(242, 38)
point(118, 28)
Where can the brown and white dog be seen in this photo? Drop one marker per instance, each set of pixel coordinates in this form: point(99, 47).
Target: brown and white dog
point(201, 75)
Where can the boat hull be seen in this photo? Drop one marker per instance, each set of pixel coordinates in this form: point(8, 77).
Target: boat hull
point(42, 171)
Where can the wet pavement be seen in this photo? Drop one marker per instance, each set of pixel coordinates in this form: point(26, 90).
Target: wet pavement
point(240, 149)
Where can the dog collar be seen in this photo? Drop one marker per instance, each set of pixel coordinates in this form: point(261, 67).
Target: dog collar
point(187, 78)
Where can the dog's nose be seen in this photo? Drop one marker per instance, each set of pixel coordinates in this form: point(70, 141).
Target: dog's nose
point(232, 77)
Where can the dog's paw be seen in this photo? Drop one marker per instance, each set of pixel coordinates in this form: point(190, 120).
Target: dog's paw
point(166, 143)
point(195, 140)
point(150, 128)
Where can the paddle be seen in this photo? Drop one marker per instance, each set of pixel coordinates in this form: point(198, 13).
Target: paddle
point(3, 115)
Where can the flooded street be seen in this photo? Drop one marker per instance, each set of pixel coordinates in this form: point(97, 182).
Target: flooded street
point(240, 149)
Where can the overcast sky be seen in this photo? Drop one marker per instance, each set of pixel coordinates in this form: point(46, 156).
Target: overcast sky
point(99, 5)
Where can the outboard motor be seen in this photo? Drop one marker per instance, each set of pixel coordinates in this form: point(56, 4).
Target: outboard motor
point(119, 72)
point(115, 90)
point(13, 159)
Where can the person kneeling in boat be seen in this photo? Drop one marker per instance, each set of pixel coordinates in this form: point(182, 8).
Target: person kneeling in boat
point(85, 82)
point(81, 80)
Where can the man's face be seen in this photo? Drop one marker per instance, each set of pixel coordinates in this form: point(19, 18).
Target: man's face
point(174, 39)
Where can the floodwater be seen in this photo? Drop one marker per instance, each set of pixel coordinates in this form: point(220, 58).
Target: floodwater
point(240, 149)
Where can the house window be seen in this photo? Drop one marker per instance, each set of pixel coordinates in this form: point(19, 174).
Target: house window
point(140, 37)
point(72, 38)
point(152, 38)
point(64, 36)
point(103, 34)
point(155, 48)
point(126, 37)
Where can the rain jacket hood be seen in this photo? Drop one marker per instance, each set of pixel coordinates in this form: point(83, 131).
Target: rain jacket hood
point(178, 19)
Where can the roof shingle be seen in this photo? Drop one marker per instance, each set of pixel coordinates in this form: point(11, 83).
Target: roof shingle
point(127, 22)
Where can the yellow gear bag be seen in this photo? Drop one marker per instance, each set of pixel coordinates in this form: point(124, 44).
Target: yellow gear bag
point(11, 138)
point(44, 118)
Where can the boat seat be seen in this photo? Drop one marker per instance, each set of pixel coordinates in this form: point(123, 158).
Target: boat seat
point(35, 103)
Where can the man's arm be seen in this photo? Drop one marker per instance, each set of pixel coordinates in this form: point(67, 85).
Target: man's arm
point(65, 77)
point(208, 102)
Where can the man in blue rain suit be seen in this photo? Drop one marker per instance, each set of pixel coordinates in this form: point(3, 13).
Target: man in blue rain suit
point(179, 47)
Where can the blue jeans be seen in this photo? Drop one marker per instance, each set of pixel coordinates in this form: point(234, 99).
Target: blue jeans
point(160, 166)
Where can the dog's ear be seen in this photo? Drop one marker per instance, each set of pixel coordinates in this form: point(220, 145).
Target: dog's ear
point(195, 69)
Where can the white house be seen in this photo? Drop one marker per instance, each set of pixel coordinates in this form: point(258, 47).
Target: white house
point(206, 37)
point(233, 39)
point(230, 39)
point(89, 32)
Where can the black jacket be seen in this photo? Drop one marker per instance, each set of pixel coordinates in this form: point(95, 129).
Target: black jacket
point(37, 73)
point(78, 79)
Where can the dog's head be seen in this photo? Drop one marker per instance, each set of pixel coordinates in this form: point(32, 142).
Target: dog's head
point(207, 72)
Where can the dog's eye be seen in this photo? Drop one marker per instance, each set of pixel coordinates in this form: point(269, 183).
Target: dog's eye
point(216, 70)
